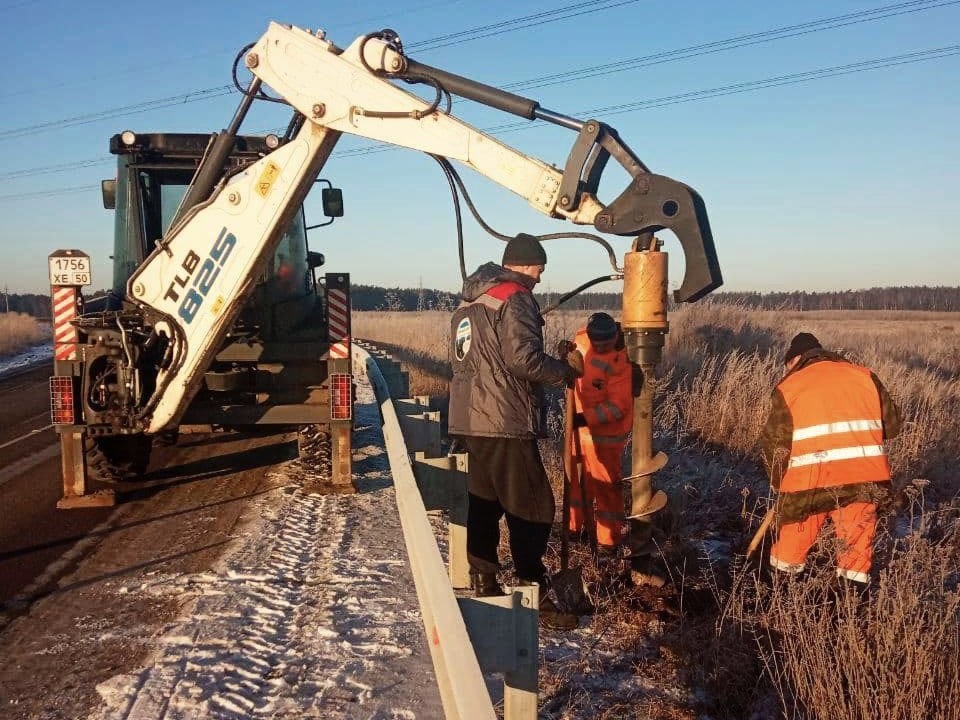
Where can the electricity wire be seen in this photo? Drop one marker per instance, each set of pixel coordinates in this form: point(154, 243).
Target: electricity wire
point(733, 43)
point(221, 90)
point(693, 96)
point(912, 6)
point(49, 169)
point(736, 88)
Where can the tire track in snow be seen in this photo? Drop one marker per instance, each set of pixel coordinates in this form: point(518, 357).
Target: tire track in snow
point(314, 615)
point(232, 654)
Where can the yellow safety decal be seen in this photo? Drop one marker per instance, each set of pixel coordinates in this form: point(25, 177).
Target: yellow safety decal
point(269, 174)
point(217, 305)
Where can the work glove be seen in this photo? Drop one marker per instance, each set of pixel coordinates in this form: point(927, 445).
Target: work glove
point(565, 347)
point(575, 360)
point(579, 420)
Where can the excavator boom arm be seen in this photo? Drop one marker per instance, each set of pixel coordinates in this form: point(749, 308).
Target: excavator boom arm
point(194, 283)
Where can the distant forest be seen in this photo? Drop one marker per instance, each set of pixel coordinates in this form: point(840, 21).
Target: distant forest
point(371, 297)
point(368, 297)
point(36, 305)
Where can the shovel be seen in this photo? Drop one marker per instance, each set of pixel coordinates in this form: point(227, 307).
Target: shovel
point(761, 531)
point(568, 585)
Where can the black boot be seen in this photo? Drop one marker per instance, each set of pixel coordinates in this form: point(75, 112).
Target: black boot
point(554, 618)
point(551, 615)
point(485, 584)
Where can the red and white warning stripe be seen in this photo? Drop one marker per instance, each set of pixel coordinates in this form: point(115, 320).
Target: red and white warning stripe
point(64, 334)
point(339, 322)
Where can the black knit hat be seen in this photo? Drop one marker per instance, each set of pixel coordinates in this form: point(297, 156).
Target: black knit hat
point(801, 343)
point(601, 327)
point(524, 250)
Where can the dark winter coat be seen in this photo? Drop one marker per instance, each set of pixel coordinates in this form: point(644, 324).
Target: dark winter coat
point(499, 364)
point(776, 445)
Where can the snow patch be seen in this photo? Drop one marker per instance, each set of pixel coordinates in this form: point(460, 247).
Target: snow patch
point(312, 613)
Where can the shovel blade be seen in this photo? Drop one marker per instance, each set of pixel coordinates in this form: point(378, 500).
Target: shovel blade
point(571, 592)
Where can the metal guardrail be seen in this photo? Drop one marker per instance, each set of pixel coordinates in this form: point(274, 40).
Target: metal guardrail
point(466, 636)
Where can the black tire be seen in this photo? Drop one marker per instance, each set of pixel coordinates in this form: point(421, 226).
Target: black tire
point(118, 457)
point(98, 466)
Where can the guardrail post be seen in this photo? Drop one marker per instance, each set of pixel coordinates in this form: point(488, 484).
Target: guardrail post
point(504, 633)
point(415, 404)
point(421, 432)
point(443, 485)
point(397, 380)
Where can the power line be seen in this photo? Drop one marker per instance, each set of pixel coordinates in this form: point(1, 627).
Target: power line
point(519, 23)
point(692, 96)
point(684, 53)
point(221, 90)
point(47, 193)
point(14, 6)
point(736, 88)
point(782, 80)
point(739, 41)
point(136, 68)
point(522, 22)
point(50, 169)
point(123, 111)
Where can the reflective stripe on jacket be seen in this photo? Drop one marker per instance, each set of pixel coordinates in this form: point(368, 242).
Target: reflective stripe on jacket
point(837, 420)
point(604, 393)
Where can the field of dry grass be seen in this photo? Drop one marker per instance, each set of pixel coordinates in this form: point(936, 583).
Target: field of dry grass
point(19, 331)
point(720, 642)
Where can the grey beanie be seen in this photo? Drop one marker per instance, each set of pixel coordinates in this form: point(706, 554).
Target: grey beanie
point(524, 250)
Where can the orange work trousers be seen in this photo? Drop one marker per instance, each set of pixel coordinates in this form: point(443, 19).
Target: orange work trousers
point(601, 476)
point(855, 525)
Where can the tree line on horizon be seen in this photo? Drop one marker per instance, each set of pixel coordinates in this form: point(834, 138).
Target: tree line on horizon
point(916, 297)
point(373, 297)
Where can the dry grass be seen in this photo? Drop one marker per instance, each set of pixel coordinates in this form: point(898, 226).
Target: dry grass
point(717, 642)
point(19, 331)
point(832, 654)
point(418, 340)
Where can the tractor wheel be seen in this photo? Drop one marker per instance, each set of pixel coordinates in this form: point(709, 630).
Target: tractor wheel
point(118, 457)
point(99, 468)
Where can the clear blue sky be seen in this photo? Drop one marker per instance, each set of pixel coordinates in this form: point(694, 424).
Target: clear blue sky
point(842, 182)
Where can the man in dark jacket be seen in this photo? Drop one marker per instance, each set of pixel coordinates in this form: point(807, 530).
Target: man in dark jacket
point(823, 445)
point(497, 409)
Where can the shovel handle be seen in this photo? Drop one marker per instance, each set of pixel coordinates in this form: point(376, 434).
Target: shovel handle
point(567, 473)
point(761, 531)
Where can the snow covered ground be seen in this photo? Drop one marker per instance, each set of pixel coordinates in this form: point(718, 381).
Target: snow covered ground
point(35, 355)
point(312, 614)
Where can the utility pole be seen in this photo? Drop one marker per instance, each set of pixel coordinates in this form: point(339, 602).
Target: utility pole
point(6, 297)
point(420, 296)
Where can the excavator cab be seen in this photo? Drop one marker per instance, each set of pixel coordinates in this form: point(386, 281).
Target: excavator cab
point(154, 171)
point(271, 367)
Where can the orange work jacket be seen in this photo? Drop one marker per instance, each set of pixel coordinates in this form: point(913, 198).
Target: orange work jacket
point(604, 393)
point(837, 427)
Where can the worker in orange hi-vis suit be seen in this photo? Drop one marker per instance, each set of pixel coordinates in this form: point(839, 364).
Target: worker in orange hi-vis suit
point(824, 448)
point(603, 401)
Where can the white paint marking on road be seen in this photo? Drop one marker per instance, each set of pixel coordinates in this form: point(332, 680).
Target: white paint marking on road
point(78, 550)
point(26, 435)
point(18, 467)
